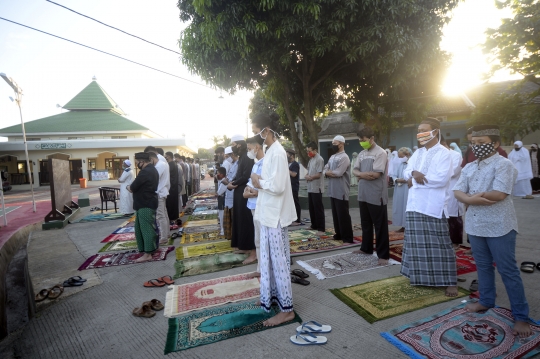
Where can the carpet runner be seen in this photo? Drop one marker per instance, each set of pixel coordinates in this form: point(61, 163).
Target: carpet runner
point(210, 293)
point(391, 297)
point(125, 245)
point(455, 333)
point(202, 216)
point(204, 222)
point(201, 237)
point(203, 249)
point(208, 264)
point(218, 323)
point(99, 217)
point(202, 229)
point(342, 264)
point(117, 259)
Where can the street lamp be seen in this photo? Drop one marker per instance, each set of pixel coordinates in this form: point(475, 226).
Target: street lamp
point(18, 99)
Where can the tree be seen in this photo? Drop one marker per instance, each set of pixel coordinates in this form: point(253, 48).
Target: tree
point(205, 154)
point(223, 141)
point(313, 56)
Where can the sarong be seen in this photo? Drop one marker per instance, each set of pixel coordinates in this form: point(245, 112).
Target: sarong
point(145, 230)
point(227, 222)
point(243, 230)
point(275, 267)
point(428, 258)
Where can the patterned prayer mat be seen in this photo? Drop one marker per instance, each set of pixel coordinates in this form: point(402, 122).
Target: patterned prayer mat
point(208, 264)
point(203, 249)
point(307, 242)
point(392, 236)
point(218, 323)
point(455, 333)
point(210, 293)
point(99, 217)
point(202, 216)
point(117, 259)
point(200, 237)
point(125, 245)
point(130, 229)
point(202, 222)
point(390, 297)
point(342, 264)
point(465, 262)
point(202, 229)
point(304, 234)
point(205, 208)
point(119, 237)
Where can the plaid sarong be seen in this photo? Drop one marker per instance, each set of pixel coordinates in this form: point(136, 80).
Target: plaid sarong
point(428, 257)
point(227, 222)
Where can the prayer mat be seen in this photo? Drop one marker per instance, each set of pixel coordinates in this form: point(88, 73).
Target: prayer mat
point(342, 264)
point(204, 222)
point(202, 229)
point(124, 246)
point(202, 216)
point(200, 237)
point(119, 237)
point(456, 333)
point(390, 297)
point(117, 259)
point(205, 208)
point(218, 323)
point(208, 264)
point(318, 245)
point(124, 230)
point(392, 236)
point(396, 252)
point(210, 293)
point(99, 217)
point(203, 249)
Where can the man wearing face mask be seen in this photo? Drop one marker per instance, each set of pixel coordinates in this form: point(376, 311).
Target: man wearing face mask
point(469, 154)
point(182, 162)
point(294, 173)
point(163, 191)
point(522, 161)
point(315, 187)
point(219, 157)
point(338, 172)
point(231, 165)
point(221, 173)
point(428, 258)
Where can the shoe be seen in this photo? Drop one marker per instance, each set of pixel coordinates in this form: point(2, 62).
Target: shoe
point(528, 197)
point(155, 305)
point(145, 311)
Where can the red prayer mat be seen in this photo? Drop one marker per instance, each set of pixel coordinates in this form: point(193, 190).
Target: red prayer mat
point(392, 236)
point(119, 237)
point(117, 259)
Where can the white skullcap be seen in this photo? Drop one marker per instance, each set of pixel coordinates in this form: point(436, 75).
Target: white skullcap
point(339, 138)
point(237, 138)
point(127, 163)
point(228, 150)
point(519, 143)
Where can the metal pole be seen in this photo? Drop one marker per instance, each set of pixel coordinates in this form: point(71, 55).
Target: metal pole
point(3, 204)
point(26, 153)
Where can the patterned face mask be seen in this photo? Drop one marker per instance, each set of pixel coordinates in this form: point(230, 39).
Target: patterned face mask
point(483, 150)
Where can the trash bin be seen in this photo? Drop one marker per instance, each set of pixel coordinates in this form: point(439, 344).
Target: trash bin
point(83, 182)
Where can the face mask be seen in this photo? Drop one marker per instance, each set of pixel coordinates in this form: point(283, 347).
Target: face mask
point(425, 137)
point(404, 159)
point(235, 150)
point(140, 165)
point(220, 177)
point(311, 154)
point(252, 154)
point(517, 149)
point(483, 150)
point(335, 148)
point(533, 149)
point(229, 159)
point(365, 145)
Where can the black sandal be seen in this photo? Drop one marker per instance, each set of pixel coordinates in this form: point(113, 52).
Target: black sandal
point(300, 273)
point(538, 266)
point(474, 286)
point(78, 278)
point(298, 280)
point(72, 283)
point(527, 267)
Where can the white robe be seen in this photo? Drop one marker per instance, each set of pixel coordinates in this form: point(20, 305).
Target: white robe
point(126, 197)
point(455, 208)
point(522, 161)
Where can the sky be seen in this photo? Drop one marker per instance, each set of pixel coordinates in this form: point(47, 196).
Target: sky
point(52, 71)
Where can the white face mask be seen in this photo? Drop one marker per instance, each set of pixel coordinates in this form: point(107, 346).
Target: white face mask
point(404, 159)
point(229, 159)
point(252, 154)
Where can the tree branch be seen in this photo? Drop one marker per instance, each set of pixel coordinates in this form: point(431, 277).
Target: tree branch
point(327, 73)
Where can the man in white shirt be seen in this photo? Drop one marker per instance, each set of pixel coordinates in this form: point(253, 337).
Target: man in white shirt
point(232, 161)
point(428, 258)
point(163, 191)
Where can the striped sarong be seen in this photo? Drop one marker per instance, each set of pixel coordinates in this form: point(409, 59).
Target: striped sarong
point(428, 257)
point(227, 222)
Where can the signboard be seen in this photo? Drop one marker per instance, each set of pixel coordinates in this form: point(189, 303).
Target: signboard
point(60, 190)
point(100, 175)
point(53, 146)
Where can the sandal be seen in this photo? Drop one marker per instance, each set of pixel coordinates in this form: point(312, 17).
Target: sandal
point(306, 338)
point(42, 295)
point(155, 304)
point(154, 283)
point(78, 278)
point(538, 266)
point(298, 280)
point(300, 273)
point(166, 279)
point(56, 291)
point(474, 286)
point(72, 283)
point(528, 267)
point(145, 311)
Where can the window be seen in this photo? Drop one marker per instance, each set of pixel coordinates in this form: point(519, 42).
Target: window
point(33, 139)
point(119, 137)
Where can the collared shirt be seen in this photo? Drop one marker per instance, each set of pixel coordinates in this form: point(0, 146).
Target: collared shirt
point(431, 197)
point(229, 194)
point(495, 173)
point(257, 168)
point(188, 177)
point(340, 165)
point(315, 166)
point(375, 191)
point(295, 181)
point(164, 179)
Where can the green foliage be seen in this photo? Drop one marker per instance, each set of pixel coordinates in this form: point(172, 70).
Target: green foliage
point(222, 141)
point(205, 154)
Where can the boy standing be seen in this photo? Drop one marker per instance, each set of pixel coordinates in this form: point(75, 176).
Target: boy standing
point(485, 186)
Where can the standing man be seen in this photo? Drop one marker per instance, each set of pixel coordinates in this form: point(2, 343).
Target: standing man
point(172, 198)
point(315, 188)
point(338, 172)
point(189, 178)
point(219, 157)
point(455, 208)
point(162, 191)
point(232, 160)
point(182, 162)
point(428, 257)
point(521, 159)
point(294, 173)
point(198, 173)
point(370, 169)
point(181, 182)
point(469, 154)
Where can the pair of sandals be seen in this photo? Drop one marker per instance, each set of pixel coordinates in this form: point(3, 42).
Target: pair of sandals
point(528, 267)
point(95, 209)
point(298, 276)
point(306, 334)
point(159, 282)
point(76, 281)
point(148, 309)
point(51, 293)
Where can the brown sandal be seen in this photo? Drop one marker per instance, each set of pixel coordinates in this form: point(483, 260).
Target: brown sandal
point(166, 279)
point(56, 291)
point(154, 283)
point(42, 295)
point(155, 304)
point(145, 311)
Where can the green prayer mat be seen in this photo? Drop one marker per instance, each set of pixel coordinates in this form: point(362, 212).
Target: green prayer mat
point(214, 324)
point(126, 245)
point(100, 217)
point(202, 217)
point(298, 235)
point(208, 264)
point(203, 249)
point(391, 297)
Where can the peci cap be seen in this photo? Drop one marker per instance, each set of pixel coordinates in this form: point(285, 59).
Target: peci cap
point(237, 138)
point(339, 138)
point(228, 150)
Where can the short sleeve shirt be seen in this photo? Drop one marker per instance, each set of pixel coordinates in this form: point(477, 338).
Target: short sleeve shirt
point(339, 187)
point(295, 181)
point(495, 173)
point(376, 191)
point(315, 166)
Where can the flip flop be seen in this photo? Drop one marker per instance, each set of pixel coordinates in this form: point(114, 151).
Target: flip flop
point(72, 283)
point(298, 280)
point(527, 267)
point(307, 220)
point(78, 278)
point(305, 338)
point(155, 305)
point(300, 273)
point(474, 286)
point(56, 291)
point(313, 327)
point(154, 283)
point(42, 295)
point(145, 311)
point(167, 279)
point(538, 266)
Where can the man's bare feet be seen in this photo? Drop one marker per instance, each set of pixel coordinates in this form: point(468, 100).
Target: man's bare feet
point(251, 258)
point(475, 307)
point(523, 329)
point(383, 262)
point(278, 319)
point(254, 275)
point(361, 252)
point(451, 291)
point(144, 258)
point(164, 242)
